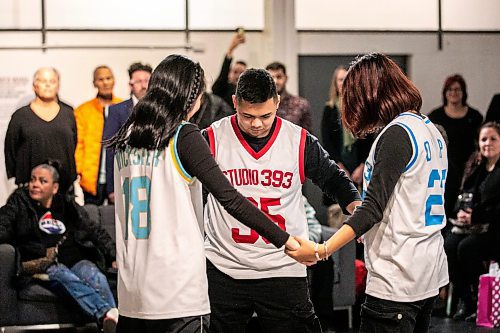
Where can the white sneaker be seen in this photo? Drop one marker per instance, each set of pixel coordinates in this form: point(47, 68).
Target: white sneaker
point(110, 321)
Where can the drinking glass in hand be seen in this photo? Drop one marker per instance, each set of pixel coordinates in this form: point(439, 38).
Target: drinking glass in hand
point(465, 201)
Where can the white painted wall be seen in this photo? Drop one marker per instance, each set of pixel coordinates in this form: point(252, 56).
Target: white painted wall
point(133, 14)
point(421, 15)
point(476, 56)
point(76, 66)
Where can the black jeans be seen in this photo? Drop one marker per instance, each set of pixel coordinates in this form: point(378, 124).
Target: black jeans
point(282, 305)
point(193, 324)
point(97, 199)
point(465, 255)
point(379, 315)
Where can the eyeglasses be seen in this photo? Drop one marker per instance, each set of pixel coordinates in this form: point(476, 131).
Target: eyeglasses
point(454, 90)
point(133, 82)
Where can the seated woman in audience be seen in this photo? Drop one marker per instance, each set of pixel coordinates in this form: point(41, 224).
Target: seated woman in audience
point(461, 123)
point(59, 246)
point(42, 130)
point(476, 234)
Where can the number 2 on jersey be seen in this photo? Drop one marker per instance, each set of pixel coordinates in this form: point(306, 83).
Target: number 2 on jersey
point(436, 178)
point(137, 205)
point(265, 203)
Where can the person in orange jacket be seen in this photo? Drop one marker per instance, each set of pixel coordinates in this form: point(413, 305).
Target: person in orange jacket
point(89, 154)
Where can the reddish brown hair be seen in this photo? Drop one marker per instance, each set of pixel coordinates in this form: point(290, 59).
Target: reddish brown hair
point(476, 157)
point(491, 124)
point(375, 91)
point(447, 84)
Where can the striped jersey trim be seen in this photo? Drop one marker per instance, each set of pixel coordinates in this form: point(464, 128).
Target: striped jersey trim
point(414, 144)
point(175, 156)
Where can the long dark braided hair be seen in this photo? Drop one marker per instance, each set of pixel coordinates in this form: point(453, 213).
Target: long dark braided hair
point(173, 89)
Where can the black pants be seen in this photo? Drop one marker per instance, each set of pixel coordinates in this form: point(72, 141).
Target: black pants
point(465, 262)
point(379, 315)
point(193, 324)
point(281, 304)
point(97, 199)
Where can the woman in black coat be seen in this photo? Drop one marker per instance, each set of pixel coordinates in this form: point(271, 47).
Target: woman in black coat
point(475, 238)
point(59, 246)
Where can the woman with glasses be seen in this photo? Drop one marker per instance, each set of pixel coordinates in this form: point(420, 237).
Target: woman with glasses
point(461, 123)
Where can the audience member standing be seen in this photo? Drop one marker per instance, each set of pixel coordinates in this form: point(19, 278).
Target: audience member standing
point(139, 75)
point(90, 155)
point(461, 123)
point(493, 113)
point(349, 152)
point(44, 129)
point(292, 108)
point(331, 123)
point(212, 108)
point(225, 85)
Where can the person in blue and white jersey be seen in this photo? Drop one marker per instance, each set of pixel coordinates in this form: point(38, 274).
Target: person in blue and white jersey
point(403, 209)
point(162, 281)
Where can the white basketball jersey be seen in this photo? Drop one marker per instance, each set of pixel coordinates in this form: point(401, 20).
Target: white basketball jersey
point(160, 254)
point(272, 180)
point(404, 253)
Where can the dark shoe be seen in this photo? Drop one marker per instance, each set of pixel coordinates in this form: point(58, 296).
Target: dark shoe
point(109, 325)
point(471, 318)
point(439, 309)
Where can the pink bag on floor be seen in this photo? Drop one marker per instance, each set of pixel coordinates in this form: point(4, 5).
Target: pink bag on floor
point(488, 301)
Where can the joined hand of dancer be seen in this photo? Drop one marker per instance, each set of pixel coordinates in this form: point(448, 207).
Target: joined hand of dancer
point(305, 252)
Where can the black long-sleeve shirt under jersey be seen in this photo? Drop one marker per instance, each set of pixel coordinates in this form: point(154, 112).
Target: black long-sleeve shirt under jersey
point(392, 154)
point(196, 158)
point(318, 167)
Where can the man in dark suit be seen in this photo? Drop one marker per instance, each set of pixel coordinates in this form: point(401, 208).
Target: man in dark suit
point(118, 114)
point(493, 113)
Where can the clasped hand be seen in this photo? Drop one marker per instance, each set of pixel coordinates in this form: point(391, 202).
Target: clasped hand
point(464, 216)
point(303, 250)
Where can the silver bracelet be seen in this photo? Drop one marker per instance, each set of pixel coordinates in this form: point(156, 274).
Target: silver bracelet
point(316, 245)
point(326, 251)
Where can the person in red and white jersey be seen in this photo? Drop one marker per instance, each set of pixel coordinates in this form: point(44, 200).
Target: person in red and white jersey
point(267, 159)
